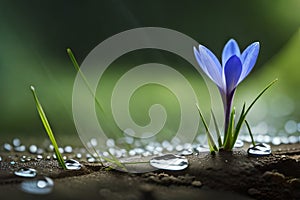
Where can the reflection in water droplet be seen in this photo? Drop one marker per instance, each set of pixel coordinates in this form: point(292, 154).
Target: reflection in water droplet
point(42, 185)
point(260, 149)
point(169, 162)
point(73, 164)
point(26, 172)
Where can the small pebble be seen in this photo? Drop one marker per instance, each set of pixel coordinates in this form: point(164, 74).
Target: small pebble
point(273, 177)
point(196, 184)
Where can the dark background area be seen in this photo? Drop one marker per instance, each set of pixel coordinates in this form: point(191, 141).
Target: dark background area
point(34, 36)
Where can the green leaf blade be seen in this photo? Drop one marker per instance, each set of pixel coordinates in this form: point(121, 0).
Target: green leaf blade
point(47, 128)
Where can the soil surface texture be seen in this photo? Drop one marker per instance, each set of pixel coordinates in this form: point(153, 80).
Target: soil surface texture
point(225, 175)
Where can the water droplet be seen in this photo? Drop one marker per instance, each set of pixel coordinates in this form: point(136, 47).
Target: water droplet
point(43, 185)
point(40, 151)
point(61, 150)
point(73, 164)
point(79, 155)
point(179, 148)
point(21, 148)
point(91, 159)
point(0, 158)
point(260, 149)
point(51, 147)
point(33, 149)
point(93, 142)
point(201, 149)
point(238, 144)
point(7, 147)
point(284, 140)
point(159, 149)
point(290, 126)
point(186, 152)
point(110, 142)
point(293, 139)
point(68, 149)
point(26, 172)
point(146, 153)
point(16, 142)
point(12, 162)
point(169, 162)
point(276, 141)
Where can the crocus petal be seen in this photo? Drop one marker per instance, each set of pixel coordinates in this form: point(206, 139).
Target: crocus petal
point(231, 48)
point(232, 71)
point(202, 65)
point(248, 58)
point(210, 65)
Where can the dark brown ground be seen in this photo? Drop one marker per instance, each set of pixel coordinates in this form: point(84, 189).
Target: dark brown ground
point(226, 175)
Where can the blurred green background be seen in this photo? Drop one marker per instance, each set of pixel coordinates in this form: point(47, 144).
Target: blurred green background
point(34, 36)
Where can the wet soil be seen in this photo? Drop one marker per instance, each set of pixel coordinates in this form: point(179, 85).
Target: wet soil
point(225, 175)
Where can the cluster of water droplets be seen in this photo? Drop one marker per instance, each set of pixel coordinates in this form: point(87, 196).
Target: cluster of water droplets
point(37, 184)
point(168, 155)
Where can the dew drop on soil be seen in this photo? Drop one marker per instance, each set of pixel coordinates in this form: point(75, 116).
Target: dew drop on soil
point(91, 159)
point(201, 149)
point(73, 164)
point(21, 148)
point(7, 147)
point(186, 152)
point(68, 149)
point(16, 142)
point(33, 149)
point(169, 162)
point(276, 141)
point(260, 149)
point(238, 144)
point(79, 155)
point(43, 185)
point(26, 172)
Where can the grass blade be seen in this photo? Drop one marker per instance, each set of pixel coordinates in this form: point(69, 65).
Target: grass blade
point(217, 129)
point(211, 143)
point(245, 112)
point(260, 94)
point(48, 128)
point(250, 132)
point(76, 66)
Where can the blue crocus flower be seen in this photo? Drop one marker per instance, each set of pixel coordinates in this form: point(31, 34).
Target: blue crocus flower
point(233, 70)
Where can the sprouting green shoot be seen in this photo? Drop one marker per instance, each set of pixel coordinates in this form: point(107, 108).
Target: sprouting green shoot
point(245, 112)
point(217, 129)
point(48, 128)
point(76, 66)
point(250, 132)
point(229, 136)
point(211, 143)
point(233, 131)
